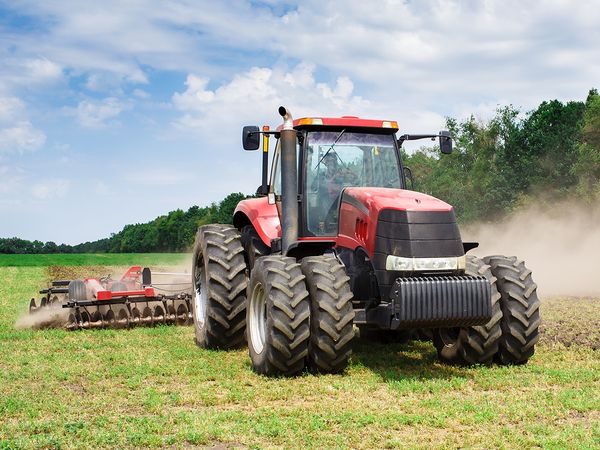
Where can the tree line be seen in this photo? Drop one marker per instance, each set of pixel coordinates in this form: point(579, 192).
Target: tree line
point(552, 152)
point(548, 154)
point(173, 232)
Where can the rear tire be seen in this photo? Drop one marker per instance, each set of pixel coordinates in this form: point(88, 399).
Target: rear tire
point(220, 281)
point(520, 309)
point(475, 344)
point(331, 314)
point(278, 317)
point(253, 245)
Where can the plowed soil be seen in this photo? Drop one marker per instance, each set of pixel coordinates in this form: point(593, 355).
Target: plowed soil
point(571, 321)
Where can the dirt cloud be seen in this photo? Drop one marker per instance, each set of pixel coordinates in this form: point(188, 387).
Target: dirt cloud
point(52, 317)
point(561, 244)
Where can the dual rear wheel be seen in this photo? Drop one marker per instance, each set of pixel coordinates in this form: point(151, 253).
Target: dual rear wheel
point(290, 327)
point(287, 327)
point(512, 332)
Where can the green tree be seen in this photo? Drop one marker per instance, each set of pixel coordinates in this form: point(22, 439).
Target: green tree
point(587, 165)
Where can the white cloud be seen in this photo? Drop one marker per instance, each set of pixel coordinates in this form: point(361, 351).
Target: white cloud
point(42, 69)
point(54, 188)
point(21, 137)
point(254, 96)
point(26, 72)
point(10, 108)
point(195, 95)
point(398, 51)
point(17, 134)
point(97, 114)
point(11, 178)
point(139, 93)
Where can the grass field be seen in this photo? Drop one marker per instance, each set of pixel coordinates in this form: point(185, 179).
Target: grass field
point(88, 259)
point(152, 387)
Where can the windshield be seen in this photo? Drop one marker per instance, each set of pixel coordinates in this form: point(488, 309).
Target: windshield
point(339, 159)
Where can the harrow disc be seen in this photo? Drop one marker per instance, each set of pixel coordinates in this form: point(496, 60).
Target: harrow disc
point(121, 317)
point(182, 314)
point(147, 318)
point(158, 315)
point(84, 319)
point(110, 319)
point(136, 316)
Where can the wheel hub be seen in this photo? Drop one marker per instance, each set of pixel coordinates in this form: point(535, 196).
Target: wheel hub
point(257, 320)
point(200, 298)
point(449, 336)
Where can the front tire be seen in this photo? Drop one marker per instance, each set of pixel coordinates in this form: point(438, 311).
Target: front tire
point(475, 344)
point(277, 317)
point(331, 314)
point(520, 309)
point(219, 274)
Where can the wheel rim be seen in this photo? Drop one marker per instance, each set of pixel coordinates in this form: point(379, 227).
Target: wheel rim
point(449, 336)
point(257, 321)
point(200, 298)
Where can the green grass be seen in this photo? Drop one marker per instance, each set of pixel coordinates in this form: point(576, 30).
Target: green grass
point(87, 259)
point(152, 387)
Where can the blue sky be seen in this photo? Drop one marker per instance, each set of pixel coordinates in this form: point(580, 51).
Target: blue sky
point(116, 112)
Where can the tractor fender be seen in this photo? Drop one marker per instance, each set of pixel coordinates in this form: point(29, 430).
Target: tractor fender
point(261, 215)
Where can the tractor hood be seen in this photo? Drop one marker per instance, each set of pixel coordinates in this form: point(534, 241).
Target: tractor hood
point(376, 199)
point(397, 224)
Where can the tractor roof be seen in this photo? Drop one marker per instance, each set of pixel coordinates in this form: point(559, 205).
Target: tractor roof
point(343, 122)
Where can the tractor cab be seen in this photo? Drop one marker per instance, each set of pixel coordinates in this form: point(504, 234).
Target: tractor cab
point(331, 155)
point(330, 161)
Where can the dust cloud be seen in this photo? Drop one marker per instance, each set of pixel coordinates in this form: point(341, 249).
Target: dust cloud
point(560, 244)
point(53, 316)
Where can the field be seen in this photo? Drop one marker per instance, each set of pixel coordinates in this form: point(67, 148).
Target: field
point(88, 259)
point(152, 387)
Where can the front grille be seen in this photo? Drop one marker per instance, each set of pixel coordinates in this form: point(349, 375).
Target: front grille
point(455, 301)
point(417, 234)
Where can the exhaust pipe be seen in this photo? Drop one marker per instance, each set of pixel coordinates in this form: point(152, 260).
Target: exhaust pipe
point(289, 182)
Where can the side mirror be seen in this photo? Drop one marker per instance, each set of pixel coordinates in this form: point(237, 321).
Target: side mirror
point(445, 142)
point(250, 138)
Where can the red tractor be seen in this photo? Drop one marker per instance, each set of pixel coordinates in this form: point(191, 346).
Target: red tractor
point(336, 240)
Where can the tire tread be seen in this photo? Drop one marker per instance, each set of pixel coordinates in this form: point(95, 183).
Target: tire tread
point(520, 309)
point(219, 249)
point(332, 314)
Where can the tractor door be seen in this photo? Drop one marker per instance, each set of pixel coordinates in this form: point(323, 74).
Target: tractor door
point(335, 161)
point(275, 184)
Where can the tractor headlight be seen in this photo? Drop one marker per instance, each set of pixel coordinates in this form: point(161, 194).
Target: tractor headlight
point(400, 263)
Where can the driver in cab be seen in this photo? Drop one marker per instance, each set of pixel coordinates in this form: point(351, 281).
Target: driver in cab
point(333, 180)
